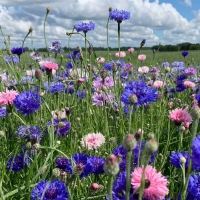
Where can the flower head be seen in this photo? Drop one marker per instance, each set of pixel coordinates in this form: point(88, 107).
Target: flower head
point(49, 65)
point(27, 102)
point(56, 47)
point(158, 84)
point(120, 54)
point(85, 27)
point(179, 116)
point(196, 153)
point(143, 93)
point(107, 82)
point(190, 71)
point(193, 187)
point(18, 50)
point(54, 87)
point(7, 97)
point(92, 141)
point(13, 58)
point(141, 57)
point(3, 112)
point(119, 15)
point(97, 164)
point(35, 56)
point(131, 50)
point(175, 158)
point(100, 60)
point(184, 54)
point(155, 183)
point(99, 99)
point(143, 70)
point(189, 84)
point(50, 190)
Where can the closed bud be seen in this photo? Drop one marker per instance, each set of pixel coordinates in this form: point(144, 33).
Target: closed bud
point(103, 74)
point(110, 9)
point(151, 146)
point(151, 135)
point(28, 145)
point(61, 124)
point(167, 69)
point(56, 172)
point(195, 112)
point(182, 160)
point(38, 74)
point(30, 29)
point(114, 67)
point(129, 142)
point(111, 165)
point(78, 169)
point(48, 9)
point(132, 98)
point(2, 133)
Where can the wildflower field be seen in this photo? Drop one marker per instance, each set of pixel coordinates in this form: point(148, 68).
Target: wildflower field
point(86, 125)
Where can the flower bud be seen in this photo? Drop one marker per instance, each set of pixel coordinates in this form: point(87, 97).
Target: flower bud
point(110, 9)
point(48, 9)
point(28, 145)
point(182, 160)
point(111, 166)
point(78, 169)
point(129, 142)
point(2, 133)
point(38, 74)
point(61, 124)
point(30, 29)
point(195, 112)
point(151, 146)
point(132, 98)
point(56, 172)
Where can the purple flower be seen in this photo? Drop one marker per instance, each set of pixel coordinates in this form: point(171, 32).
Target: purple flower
point(18, 162)
point(60, 127)
point(165, 64)
point(97, 164)
point(107, 82)
point(64, 164)
point(108, 66)
point(99, 99)
point(56, 47)
point(193, 187)
point(3, 112)
point(54, 87)
point(27, 102)
point(119, 15)
point(13, 58)
point(74, 55)
point(18, 50)
point(70, 88)
point(85, 27)
point(196, 152)
point(190, 71)
point(184, 53)
point(50, 190)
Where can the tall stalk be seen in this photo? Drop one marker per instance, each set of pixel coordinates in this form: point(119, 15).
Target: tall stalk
point(47, 12)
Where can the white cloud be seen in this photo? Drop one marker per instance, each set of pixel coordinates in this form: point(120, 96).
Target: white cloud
point(146, 17)
point(188, 2)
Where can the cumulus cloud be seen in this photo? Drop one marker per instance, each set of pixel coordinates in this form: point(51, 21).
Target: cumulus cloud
point(146, 18)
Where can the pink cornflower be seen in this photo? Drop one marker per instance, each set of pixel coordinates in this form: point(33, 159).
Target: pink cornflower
point(170, 104)
point(155, 183)
point(158, 84)
point(189, 84)
point(49, 65)
point(179, 116)
point(131, 50)
point(143, 70)
point(120, 54)
point(7, 97)
point(92, 141)
point(108, 82)
point(100, 60)
point(99, 99)
point(141, 57)
point(128, 67)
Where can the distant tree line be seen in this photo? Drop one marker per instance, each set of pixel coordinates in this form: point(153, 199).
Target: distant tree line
point(178, 47)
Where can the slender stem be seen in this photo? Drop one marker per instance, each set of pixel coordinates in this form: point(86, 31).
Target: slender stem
point(107, 37)
point(130, 118)
point(119, 38)
point(110, 184)
point(85, 48)
point(128, 171)
point(45, 33)
point(183, 171)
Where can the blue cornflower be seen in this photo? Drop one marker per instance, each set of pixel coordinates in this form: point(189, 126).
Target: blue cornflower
point(108, 66)
point(124, 76)
point(165, 64)
point(197, 97)
point(193, 187)
point(97, 164)
point(60, 127)
point(69, 65)
point(18, 50)
point(178, 64)
point(180, 87)
point(74, 55)
point(184, 54)
point(142, 92)
point(30, 133)
point(13, 58)
point(2, 112)
point(119, 15)
point(56, 47)
point(54, 87)
point(196, 153)
point(176, 156)
point(27, 79)
point(64, 164)
point(70, 88)
point(18, 162)
point(83, 165)
point(80, 94)
point(85, 27)
point(27, 102)
point(181, 77)
point(50, 190)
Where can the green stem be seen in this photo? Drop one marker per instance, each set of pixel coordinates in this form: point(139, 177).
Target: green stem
point(128, 171)
point(119, 38)
point(45, 33)
point(130, 119)
point(85, 48)
point(110, 184)
point(107, 37)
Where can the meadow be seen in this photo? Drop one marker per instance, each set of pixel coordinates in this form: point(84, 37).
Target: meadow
point(117, 127)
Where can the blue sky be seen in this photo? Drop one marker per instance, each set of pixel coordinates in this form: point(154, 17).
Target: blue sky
point(165, 21)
